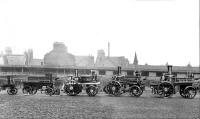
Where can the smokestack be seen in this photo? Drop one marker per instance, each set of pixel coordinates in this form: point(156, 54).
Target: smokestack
point(108, 49)
point(8, 80)
point(169, 67)
point(76, 72)
point(119, 70)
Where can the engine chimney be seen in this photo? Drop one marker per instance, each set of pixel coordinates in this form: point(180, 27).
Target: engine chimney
point(119, 70)
point(76, 72)
point(169, 67)
point(108, 49)
point(9, 80)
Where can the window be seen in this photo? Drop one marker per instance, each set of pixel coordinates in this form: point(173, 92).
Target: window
point(129, 72)
point(115, 72)
point(102, 72)
point(145, 73)
point(159, 74)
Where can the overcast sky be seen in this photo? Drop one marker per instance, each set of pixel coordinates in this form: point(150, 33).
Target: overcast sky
point(159, 31)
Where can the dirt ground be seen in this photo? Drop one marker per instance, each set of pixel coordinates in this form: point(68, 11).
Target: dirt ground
point(148, 106)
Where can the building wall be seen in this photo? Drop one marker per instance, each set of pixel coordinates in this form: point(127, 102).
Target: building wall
point(16, 59)
point(152, 74)
point(84, 61)
point(109, 73)
point(181, 75)
point(1, 60)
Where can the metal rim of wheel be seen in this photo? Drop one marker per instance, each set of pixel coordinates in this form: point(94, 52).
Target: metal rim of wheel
point(91, 90)
point(115, 88)
point(190, 92)
point(165, 89)
point(12, 91)
point(136, 91)
point(70, 90)
point(9, 91)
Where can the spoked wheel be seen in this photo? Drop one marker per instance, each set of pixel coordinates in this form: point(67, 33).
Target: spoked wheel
point(165, 89)
point(190, 92)
point(72, 89)
point(27, 90)
point(92, 90)
point(136, 91)
point(49, 91)
point(12, 91)
point(115, 88)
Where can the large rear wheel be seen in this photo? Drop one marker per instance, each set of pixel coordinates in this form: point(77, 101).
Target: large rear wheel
point(115, 88)
point(165, 89)
point(72, 89)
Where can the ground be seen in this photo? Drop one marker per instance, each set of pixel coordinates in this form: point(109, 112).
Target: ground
point(41, 106)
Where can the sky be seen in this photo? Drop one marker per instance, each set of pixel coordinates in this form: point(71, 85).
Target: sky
point(159, 31)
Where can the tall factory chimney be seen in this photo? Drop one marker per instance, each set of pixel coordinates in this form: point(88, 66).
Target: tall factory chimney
point(108, 49)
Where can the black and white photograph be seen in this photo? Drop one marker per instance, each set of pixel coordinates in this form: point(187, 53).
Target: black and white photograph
point(99, 59)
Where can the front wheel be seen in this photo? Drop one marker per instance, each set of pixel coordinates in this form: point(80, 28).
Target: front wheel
point(12, 91)
point(114, 88)
point(190, 92)
point(91, 90)
point(136, 91)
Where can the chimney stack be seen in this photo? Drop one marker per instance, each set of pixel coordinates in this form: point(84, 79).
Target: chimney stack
point(76, 72)
point(119, 70)
point(108, 49)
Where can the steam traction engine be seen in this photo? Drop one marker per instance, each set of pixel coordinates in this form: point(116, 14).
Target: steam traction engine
point(10, 86)
point(120, 84)
point(169, 85)
point(75, 84)
point(45, 83)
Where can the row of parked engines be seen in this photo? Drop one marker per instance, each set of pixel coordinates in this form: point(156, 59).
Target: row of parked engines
point(168, 85)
